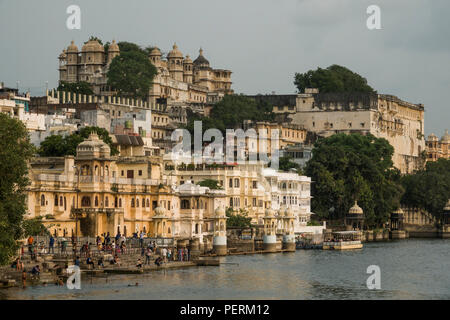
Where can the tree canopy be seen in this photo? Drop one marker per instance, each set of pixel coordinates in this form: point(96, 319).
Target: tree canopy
point(131, 73)
point(59, 146)
point(15, 151)
point(428, 189)
point(335, 78)
point(210, 183)
point(81, 87)
point(237, 219)
point(352, 167)
point(231, 111)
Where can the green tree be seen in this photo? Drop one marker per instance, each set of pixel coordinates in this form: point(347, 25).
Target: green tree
point(210, 183)
point(81, 87)
point(335, 78)
point(238, 219)
point(352, 167)
point(286, 164)
point(59, 146)
point(131, 73)
point(34, 227)
point(428, 189)
point(15, 151)
point(230, 112)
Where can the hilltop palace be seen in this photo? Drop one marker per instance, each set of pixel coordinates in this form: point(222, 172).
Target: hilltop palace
point(178, 79)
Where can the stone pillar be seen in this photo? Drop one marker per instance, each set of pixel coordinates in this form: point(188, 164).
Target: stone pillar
point(220, 232)
point(270, 237)
point(288, 231)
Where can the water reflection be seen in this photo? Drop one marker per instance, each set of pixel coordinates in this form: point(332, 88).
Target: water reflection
point(410, 269)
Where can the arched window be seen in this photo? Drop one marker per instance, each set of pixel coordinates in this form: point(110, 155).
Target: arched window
point(61, 202)
point(116, 202)
point(106, 202)
point(106, 171)
point(148, 203)
point(56, 200)
point(132, 202)
point(230, 183)
point(96, 201)
point(143, 203)
point(120, 202)
point(137, 202)
point(42, 200)
point(86, 201)
point(231, 202)
point(65, 204)
point(96, 170)
point(85, 170)
point(236, 183)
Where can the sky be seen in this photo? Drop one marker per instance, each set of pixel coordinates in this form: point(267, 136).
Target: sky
point(264, 42)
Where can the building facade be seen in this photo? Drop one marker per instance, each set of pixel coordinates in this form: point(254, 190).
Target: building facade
point(179, 79)
point(385, 116)
point(438, 148)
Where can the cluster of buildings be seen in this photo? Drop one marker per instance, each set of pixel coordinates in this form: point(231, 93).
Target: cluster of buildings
point(94, 193)
point(146, 187)
point(179, 79)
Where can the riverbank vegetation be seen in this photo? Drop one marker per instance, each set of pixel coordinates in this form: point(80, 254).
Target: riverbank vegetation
point(15, 151)
point(429, 188)
point(349, 167)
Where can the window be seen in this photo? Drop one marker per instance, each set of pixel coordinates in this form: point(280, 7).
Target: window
point(120, 202)
point(96, 201)
point(122, 173)
point(61, 201)
point(137, 202)
point(148, 203)
point(236, 183)
point(132, 202)
point(255, 184)
point(86, 201)
point(42, 200)
point(230, 183)
point(56, 200)
point(140, 172)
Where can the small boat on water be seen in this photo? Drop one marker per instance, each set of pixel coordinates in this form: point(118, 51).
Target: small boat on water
point(343, 240)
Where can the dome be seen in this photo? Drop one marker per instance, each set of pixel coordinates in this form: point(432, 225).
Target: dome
point(175, 53)
point(160, 211)
point(268, 213)
point(219, 212)
point(93, 46)
point(446, 137)
point(113, 47)
point(355, 209)
point(187, 60)
point(93, 147)
point(72, 47)
point(201, 60)
point(155, 52)
point(432, 137)
point(63, 54)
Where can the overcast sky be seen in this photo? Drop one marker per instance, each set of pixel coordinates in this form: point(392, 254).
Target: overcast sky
point(264, 42)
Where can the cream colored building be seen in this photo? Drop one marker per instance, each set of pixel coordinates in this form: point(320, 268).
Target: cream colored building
point(384, 116)
point(94, 193)
point(179, 79)
point(436, 148)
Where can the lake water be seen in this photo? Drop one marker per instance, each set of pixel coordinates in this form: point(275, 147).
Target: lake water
point(410, 269)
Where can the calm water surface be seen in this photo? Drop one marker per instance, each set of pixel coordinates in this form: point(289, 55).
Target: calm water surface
point(410, 269)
